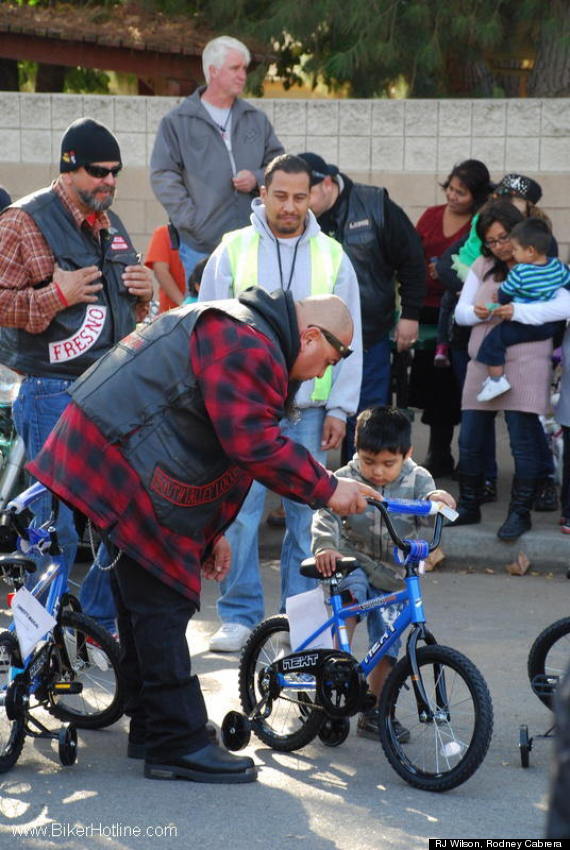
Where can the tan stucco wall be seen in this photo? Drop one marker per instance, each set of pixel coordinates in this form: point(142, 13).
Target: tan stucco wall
point(407, 146)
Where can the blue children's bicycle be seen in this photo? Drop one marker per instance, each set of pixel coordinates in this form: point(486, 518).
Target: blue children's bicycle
point(292, 694)
point(73, 671)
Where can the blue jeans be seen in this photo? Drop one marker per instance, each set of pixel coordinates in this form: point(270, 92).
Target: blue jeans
point(39, 404)
point(241, 599)
point(525, 436)
point(189, 258)
point(374, 389)
point(96, 595)
point(378, 619)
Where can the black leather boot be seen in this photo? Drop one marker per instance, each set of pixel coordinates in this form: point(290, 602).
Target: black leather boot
point(470, 498)
point(439, 460)
point(546, 498)
point(523, 493)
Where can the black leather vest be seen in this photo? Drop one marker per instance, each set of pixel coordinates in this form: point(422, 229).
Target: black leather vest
point(144, 398)
point(78, 335)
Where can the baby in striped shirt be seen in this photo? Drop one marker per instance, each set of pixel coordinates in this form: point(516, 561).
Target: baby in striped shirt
point(536, 277)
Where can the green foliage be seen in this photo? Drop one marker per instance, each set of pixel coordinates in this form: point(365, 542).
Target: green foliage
point(86, 81)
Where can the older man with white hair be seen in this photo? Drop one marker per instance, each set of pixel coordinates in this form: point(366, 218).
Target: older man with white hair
point(210, 152)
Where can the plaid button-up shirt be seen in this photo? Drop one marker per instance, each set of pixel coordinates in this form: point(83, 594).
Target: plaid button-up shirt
point(243, 389)
point(26, 260)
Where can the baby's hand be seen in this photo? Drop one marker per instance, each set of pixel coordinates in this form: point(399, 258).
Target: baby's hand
point(442, 496)
point(326, 561)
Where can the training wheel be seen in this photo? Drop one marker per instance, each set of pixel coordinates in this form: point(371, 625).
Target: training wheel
point(236, 731)
point(67, 745)
point(334, 731)
point(525, 745)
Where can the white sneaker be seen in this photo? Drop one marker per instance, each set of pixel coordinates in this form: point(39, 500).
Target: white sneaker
point(491, 389)
point(230, 637)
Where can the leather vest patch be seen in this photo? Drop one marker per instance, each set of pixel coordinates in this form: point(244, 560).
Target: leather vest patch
point(83, 339)
point(189, 495)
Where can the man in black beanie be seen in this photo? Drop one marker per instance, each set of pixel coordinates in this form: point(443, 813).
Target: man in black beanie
point(71, 286)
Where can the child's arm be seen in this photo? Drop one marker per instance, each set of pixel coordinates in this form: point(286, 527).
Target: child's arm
point(325, 540)
point(442, 496)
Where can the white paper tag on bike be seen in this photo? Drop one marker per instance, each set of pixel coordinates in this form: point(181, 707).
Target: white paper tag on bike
point(448, 512)
point(31, 619)
point(306, 611)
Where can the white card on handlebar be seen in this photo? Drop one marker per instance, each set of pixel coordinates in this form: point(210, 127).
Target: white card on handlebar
point(31, 619)
point(448, 512)
point(306, 611)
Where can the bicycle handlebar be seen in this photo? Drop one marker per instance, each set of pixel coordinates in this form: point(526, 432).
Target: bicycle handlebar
point(409, 506)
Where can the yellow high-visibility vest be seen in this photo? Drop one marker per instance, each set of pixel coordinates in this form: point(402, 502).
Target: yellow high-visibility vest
point(326, 256)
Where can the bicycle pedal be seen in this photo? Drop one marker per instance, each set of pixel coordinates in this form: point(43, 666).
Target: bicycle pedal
point(67, 688)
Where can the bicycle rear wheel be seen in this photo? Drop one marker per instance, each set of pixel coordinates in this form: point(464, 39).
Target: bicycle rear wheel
point(11, 731)
point(94, 662)
point(548, 659)
point(293, 721)
point(447, 748)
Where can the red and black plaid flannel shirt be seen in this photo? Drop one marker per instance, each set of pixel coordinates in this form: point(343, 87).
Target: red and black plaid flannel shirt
point(243, 388)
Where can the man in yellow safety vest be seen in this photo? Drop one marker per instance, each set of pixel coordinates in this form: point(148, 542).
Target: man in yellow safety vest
point(284, 248)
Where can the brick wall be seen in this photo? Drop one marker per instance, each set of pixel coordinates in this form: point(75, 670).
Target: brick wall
point(406, 145)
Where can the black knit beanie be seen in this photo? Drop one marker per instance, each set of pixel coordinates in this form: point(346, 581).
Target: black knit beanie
point(87, 141)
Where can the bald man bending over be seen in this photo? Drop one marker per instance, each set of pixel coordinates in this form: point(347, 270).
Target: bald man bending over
point(159, 448)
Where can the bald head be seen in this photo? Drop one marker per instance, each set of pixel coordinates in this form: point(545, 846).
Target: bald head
point(325, 332)
point(328, 311)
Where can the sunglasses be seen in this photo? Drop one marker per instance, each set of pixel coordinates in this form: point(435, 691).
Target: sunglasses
point(100, 172)
point(333, 340)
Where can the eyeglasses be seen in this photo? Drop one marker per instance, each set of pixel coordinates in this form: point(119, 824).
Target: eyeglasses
point(333, 340)
point(100, 172)
point(491, 243)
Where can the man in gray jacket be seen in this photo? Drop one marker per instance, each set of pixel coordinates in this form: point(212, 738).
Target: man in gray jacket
point(210, 152)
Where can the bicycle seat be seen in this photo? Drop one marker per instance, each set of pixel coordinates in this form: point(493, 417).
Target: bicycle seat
point(15, 564)
point(344, 566)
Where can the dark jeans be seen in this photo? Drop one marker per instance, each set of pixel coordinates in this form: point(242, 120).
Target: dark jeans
point(565, 491)
point(374, 389)
point(163, 699)
point(493, 349)
point(525, 435)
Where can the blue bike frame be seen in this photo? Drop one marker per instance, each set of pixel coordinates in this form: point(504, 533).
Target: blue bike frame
point(411, 598)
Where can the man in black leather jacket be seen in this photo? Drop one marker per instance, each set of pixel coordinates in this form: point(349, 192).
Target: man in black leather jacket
point(384, 249)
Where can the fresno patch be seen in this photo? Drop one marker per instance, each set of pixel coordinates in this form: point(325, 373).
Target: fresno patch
point(83, 339)
point(119, 244)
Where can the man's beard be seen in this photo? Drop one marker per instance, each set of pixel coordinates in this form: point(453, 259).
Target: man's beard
point(94, 203)
point(291, 408)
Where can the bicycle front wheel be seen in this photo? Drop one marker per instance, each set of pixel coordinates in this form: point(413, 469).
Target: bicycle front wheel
point(94, 663)
point(446, 747)
point(293, 720)
point(548, 659)
point(11, 731)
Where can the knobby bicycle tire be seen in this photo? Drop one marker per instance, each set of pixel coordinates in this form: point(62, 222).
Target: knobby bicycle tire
point(549, 657)
point(94, 656)
point(445, 751)
point(293, 721)
point(12, 732)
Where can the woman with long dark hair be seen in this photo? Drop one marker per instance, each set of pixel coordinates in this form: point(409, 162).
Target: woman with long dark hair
point(528, 368)
point(432, 384)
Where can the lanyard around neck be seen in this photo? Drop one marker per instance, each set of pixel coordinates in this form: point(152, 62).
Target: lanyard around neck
point(288, 287)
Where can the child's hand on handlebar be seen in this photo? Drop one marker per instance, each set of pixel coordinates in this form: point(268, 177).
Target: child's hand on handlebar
point(442, 496)
point(350, 497)
point(325, 561)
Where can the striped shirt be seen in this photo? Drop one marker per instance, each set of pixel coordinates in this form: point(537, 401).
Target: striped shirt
point(527, 282)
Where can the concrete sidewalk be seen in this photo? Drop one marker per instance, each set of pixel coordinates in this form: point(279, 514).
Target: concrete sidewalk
point(475, 546)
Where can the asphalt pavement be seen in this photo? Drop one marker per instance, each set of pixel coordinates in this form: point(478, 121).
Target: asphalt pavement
point(322, 798)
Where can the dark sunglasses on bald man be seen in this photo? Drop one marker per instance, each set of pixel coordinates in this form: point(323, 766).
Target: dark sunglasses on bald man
point(333, 340)
point(100, 172)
